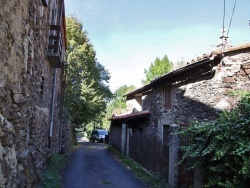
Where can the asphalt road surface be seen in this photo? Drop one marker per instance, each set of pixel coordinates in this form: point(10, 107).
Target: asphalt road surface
point(92, 165)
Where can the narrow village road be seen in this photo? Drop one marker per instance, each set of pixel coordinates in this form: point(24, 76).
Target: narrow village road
point(92, 165)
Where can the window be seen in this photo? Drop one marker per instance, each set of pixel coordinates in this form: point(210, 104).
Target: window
point(53, 18)
point(167, 97)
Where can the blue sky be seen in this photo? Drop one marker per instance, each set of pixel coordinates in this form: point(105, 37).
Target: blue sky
point(129, 34)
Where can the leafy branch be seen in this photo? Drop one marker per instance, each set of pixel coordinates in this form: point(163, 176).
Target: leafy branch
point(221, 147)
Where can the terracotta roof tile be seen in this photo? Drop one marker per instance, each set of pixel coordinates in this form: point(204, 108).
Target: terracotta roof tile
point(133, 114)
point(206, 58)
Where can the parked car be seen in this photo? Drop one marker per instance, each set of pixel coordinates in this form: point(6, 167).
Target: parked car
point(98, 135)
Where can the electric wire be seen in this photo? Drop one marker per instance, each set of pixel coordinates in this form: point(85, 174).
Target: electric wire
point(223, 26)
point(224, 12)
point(231, 18)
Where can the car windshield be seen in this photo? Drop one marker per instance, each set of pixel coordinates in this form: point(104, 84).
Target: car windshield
point(103, 132)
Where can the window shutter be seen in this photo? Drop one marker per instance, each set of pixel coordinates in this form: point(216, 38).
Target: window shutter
point(167, 97)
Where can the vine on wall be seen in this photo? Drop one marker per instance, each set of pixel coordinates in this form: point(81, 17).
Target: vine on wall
point(221, 147)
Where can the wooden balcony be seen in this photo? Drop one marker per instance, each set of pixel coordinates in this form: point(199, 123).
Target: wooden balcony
point(56, 47)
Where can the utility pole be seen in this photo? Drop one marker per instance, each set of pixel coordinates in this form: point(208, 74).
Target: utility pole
point(224, 43)
point(223, 39)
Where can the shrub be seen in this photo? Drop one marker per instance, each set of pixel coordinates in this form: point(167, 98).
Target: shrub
point(221, 147)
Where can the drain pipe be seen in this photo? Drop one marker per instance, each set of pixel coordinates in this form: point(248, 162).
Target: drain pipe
point(61, 141)
point(52, 109)
point(61, 146)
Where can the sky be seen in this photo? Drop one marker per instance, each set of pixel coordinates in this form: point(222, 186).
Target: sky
point(128, 35)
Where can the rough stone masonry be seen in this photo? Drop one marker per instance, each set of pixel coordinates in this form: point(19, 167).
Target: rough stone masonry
point(26, 86)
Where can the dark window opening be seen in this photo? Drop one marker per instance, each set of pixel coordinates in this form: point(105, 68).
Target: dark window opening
point(167, 97)
point(42, 86)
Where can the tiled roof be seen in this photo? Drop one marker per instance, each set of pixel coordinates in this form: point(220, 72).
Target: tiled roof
point(199, 66)
point(226, 52)
point(131, 115)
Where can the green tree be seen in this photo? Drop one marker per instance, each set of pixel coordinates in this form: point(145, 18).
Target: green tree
point(118, 103)
point(158, 68)
point(86, 92)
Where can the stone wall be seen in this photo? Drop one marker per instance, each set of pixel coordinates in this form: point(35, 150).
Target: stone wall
point(201, 100)
point(26, 87)
point(156, 134)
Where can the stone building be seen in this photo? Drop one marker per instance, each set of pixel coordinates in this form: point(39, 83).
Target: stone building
point(33, 42)
point(197, 91)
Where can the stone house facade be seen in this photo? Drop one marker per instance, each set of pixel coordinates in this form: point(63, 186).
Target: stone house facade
point(197, 91)
point(33, 41)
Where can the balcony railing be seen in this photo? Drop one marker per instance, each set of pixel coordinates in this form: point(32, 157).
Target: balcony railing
point(56, 47)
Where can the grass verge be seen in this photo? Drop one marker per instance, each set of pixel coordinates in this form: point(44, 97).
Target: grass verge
point(51, 176)
point(148, 178)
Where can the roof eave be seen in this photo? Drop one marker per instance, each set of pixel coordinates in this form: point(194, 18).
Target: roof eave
point(166, 77)
point(215, 56)
point(131, 116)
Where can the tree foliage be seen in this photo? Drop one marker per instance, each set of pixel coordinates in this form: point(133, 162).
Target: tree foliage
point(118, 102)
point(222, 147)
point(158, 68)
point(86, 90)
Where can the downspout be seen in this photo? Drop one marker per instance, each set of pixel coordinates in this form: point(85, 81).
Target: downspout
point(52, 109)
point(62, 145)
point(62, 89)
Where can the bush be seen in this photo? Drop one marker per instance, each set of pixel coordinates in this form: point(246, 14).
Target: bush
point(221, 147)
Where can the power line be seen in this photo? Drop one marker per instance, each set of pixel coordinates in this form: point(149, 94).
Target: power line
point(224, 12)
point(231, 18)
